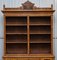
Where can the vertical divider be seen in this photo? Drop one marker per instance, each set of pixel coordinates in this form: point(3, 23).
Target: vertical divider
point(28, 38)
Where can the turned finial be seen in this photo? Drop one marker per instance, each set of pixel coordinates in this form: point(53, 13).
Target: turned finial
point(52, 6)
point(3, 6)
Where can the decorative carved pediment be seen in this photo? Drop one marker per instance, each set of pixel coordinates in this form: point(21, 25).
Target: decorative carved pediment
point(28, 5)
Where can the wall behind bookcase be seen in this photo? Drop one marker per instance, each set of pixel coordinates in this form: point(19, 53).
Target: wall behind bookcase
point(17, 3)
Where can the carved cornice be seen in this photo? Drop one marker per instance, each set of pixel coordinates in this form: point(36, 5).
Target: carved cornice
point(28, 6)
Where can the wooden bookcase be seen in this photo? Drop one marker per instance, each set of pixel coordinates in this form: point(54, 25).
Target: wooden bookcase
point(28, 33)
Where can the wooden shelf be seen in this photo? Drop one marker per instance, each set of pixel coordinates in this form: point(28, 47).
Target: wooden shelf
point(16, 24)
point(40, 20)
point(26, 24)
point(39, 30)
point(16, 20)
point(15, 42)
point(18, 29)
point(40, 48)
point(40, 38)
point(16, 38)
point(15, 33)
point(39, 24)
point(40, 33)
point(26, 33)
point(16, 48)
point(40, 42)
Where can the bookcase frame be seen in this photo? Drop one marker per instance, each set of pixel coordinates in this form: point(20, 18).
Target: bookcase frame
point(28, 33)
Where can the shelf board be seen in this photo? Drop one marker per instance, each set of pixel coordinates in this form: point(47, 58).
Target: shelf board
point(40, 42)
point(17, 52)
point(15, 33)
point(40, 33)
point(15, 42)
point(40, 24)
point(30, 42)
point(16, 24)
